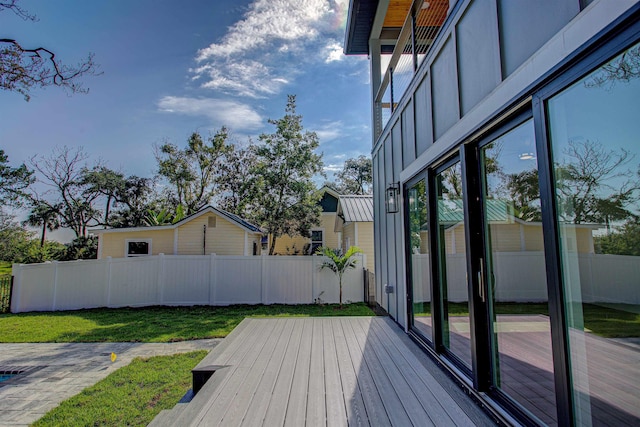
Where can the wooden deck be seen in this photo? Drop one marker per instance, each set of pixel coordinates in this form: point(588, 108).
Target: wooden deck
point(323, 371)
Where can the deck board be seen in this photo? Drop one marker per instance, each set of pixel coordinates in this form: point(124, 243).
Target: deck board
point(280, 395)
point(225, 399)
point(354, 404)
point(259, 396)
point(432, 395)
point(342, 371)
point(335, 400)
point(370, 394)
point(297, 405)
point(316, 405)
point(392, 401)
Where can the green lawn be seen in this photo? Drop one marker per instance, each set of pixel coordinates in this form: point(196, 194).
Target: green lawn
point(612, 321)
point(152, 324)
point(131, 396)
point(5, 268)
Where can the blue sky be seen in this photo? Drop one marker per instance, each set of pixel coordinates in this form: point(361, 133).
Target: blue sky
point(171, 68)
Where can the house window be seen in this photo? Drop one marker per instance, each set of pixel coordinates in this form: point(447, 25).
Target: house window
point(317, 240)
point(140, 247)
point(212, 222)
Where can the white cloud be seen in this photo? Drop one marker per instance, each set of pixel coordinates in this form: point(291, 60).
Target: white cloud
point(333, 52)
point(329, 131)
point(233, 114)
point(333, 168)
point(270, 20)
point(271, 45)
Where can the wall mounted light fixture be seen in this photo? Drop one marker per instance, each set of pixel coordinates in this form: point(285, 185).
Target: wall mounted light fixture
point(392, 197)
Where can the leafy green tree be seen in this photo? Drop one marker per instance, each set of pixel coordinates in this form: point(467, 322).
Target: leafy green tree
point(356, 176)
point(45, 216)
point(22, 69)
point(236, 182)
point(83, 247)
point(109, 183)
point(283, 190)
point(14, 239)
point(524, 191)
point(192, 172)
point(14, 181)
point(623, 241)
point(19, 245)
point(133, 201)
point(338, 262)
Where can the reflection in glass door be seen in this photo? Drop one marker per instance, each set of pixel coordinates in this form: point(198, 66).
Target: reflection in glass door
point(515, 272)
point(422, 320)
point(594, 133)
point(452, 267)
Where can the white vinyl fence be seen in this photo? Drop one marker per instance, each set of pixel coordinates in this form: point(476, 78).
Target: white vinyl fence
point(521, 277)
point(180, 280)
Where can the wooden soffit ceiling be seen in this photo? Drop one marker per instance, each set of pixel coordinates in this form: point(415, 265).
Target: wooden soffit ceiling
point(433, 14)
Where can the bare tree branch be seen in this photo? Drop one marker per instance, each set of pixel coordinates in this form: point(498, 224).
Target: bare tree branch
point(12, 5)
point(22, 69)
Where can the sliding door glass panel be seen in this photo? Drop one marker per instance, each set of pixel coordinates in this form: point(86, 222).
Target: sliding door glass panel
point(594, 128)
point(452, 263)
point(521, 333)
point(419, 259)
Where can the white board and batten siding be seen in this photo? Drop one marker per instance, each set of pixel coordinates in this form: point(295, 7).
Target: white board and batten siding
point(180, 280)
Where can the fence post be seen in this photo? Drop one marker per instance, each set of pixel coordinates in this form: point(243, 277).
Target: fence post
point(314, 271)
point(160, 281)
point(14, 298)
point(109, 262)
point(55, 285)
point(213, 279)
point(263, 281)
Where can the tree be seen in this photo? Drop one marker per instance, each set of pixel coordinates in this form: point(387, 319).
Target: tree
point(623, 68)
point(593, 184)
point(236, 181)
point(62, 173)
point(13, 238)
point(13, 181)
point(45, 216)
point(524, 191)
point(283, 191)
point(22, 69)
point(623, 241)
point(133, 201)
point(192, 171)
point(339, 263)
point(106, 182)
point(356, 176)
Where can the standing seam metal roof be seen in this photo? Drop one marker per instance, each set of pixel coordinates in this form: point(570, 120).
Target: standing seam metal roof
point(357, 208)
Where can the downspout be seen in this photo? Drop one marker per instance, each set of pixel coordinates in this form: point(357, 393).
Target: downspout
point(204, 239)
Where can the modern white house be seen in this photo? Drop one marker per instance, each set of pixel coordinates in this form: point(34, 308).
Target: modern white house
point(534, 105)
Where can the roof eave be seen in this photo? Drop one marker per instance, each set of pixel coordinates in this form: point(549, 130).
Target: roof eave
point(359, 24)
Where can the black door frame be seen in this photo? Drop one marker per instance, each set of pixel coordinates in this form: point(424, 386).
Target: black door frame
point(619, 35)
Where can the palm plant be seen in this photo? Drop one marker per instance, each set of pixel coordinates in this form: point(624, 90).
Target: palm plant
point(164, 217)
point(43, 215)
point(339, 263)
